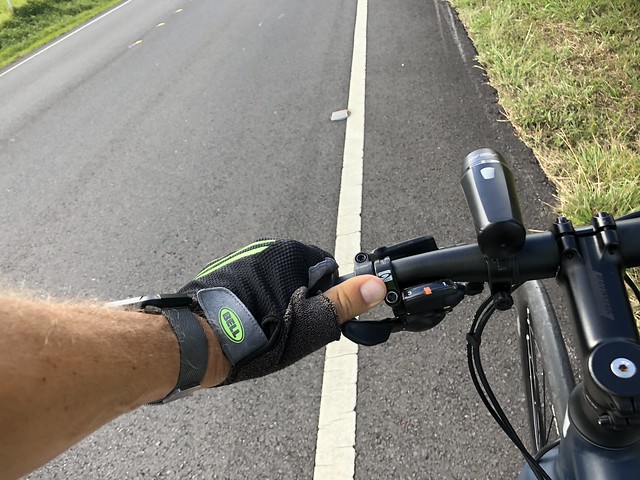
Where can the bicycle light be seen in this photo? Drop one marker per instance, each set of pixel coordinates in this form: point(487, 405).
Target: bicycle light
point(491, 195)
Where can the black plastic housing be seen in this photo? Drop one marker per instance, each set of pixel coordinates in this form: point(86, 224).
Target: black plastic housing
point(490, 191)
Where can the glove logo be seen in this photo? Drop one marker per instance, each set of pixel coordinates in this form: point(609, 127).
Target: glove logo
point(231, 325)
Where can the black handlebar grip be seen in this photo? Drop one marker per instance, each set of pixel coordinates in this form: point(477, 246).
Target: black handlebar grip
point(491, 195)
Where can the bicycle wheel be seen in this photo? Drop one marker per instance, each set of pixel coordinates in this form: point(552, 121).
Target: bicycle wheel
point(546, 371)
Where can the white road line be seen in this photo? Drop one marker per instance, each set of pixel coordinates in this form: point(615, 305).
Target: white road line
point(436, 5)
point(456, 37)
point(335, 448)
point(64, 38)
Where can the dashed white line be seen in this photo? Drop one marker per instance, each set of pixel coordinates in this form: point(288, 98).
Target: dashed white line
point(335, 448)
point(69, 35)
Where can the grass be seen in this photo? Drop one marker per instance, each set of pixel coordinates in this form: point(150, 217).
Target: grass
point(36, 22)
point(5, 10)
point(568, 77)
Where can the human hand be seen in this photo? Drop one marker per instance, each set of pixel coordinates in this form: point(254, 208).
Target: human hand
point(265, 304)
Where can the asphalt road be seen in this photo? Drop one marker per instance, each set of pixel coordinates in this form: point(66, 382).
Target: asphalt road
point(170, 132)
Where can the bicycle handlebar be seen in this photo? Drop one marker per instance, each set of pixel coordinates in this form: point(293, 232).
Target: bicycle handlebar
point(538, 259)
point(422, 280)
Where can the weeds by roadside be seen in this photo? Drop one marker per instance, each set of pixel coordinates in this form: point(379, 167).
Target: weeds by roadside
point(568, 76)
point(5, 9)
point(36, 22)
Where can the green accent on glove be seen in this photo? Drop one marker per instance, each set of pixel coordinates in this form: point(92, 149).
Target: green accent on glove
point(251, 249)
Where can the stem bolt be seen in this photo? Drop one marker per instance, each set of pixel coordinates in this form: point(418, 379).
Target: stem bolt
point(623, 368)
point(392, 297)
point(362, 257)
point(605, 421)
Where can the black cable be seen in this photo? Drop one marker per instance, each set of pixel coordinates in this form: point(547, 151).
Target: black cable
point(546, 448)
point(504, 422)
point(491, 400)
point(632, 286)
point(629, 216)
point(478, 376)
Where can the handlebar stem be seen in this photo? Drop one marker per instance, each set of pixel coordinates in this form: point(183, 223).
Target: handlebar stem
point(592, 266)
point(591, 272)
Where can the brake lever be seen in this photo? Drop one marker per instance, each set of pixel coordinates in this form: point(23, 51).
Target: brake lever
point(374, 332)
point(369, 333)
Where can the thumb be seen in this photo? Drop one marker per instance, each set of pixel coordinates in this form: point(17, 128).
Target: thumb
point(356, 296)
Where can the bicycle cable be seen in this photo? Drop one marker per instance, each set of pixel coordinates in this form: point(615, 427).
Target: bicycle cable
point(481, 383)
point(629, 216)
point(549, 446)
point(630, 283)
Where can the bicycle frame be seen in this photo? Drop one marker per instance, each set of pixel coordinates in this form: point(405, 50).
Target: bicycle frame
point(601, 431)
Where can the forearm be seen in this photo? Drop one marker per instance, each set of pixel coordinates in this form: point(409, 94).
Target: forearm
point(67, 370)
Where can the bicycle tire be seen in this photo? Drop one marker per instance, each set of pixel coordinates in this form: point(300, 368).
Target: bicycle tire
point(546, 371)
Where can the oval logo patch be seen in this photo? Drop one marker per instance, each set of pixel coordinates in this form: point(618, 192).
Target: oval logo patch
point(231, 325)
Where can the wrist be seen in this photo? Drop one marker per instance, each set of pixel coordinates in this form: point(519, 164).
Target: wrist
point(218, 367)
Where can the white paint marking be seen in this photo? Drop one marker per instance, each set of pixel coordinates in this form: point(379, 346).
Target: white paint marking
point(436, 5)
point(178, 10)
point(137, 42)
point(161, 24)
point(335, 449)
point(39, 52)
point(280, 16)
point(260, 24)
point(452, 23)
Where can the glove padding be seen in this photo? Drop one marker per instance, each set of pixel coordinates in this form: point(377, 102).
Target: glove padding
point(279, 282)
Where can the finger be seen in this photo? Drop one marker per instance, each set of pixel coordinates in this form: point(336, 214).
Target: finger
point(356, 295)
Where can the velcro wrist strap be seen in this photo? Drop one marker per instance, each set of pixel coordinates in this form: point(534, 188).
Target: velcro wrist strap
point(237, 330)
point(194, 351)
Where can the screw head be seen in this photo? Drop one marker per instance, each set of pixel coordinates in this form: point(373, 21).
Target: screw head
point(361, 257)
point(623, 368)
point(392, 297)
point(605, 421)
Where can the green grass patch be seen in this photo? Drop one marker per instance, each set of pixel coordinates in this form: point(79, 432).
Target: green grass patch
point(5, 9)
point(568, 77)
point(36, 22)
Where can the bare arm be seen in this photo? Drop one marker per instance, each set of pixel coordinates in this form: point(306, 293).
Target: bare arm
point(67, 370)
